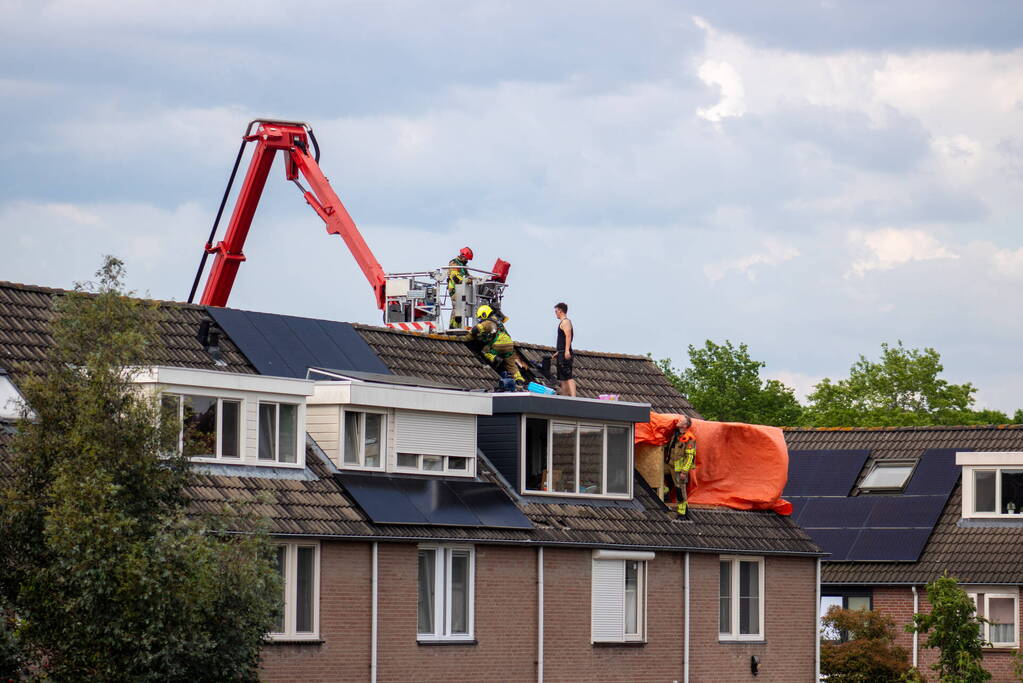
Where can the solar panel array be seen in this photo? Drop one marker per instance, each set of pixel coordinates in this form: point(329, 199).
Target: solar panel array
point(287, 346)
point(390, 499)
point(868, 528)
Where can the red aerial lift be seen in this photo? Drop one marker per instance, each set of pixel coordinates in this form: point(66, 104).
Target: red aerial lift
point(407, 299)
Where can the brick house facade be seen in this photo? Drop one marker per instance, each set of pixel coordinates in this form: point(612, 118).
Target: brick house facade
point(355, 586)
point(981, 551)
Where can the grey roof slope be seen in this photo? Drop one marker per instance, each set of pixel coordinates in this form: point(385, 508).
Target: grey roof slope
point(316, 505)
point(451, 361)
point(26, 312)
point(974, 554)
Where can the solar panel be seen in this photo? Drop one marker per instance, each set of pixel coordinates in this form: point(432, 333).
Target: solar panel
point(936, 473)
point(381, 500)
point(838, 542)
point(390, 499)
point(799, 504)
point(891, 545)
point(438, 503)
point(286, 345)
point(824, 473)
point(906, 511)
point(490, 504)
point(837, 512)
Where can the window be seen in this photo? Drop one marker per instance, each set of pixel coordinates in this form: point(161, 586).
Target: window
point(741, 608)
point(997, 491)
point(574, 458)
point(618, 598)
point(299, 566)
point(278, 432)
point(887, 475)
point(210, 426)
point(435, 442)
point(844, 602)
point(1000, 609)
point(363, 439)
point(446, 580)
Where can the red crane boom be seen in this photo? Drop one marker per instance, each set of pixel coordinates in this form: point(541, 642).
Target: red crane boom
point(292, 138)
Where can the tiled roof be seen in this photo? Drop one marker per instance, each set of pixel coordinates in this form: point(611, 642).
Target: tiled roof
point(450, 360)
point(973, 554)
point(26, 313)
point(320, 507)
point(316, 504)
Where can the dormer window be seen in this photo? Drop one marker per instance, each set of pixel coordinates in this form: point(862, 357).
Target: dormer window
point(209, 425)
point(887, 476)
point(278, 432)
point(363, 439)
point(992, 484)
point(568, 457)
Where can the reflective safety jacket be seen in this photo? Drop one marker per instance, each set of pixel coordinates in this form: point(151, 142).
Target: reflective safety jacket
point(682, 451)
point(457, 272)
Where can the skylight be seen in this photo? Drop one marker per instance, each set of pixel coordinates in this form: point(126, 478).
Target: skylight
point(887, 476)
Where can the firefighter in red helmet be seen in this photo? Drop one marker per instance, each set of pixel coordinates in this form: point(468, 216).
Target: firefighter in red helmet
point(457, 274)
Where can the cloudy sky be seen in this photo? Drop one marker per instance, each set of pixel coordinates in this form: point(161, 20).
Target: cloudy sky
point(811, 178)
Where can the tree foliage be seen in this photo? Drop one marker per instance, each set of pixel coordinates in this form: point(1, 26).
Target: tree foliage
point(954, 629)
point(101, 573)
point(723, 383)
point(902, 388)
point(868, 654)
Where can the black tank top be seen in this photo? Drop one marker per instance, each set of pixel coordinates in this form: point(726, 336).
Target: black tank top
point(561, 336)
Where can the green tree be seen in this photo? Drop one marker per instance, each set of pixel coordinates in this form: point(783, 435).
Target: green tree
point(902, 388)
point(103, 575)
point(868, 654)
point(954, 629)
point(724, 383)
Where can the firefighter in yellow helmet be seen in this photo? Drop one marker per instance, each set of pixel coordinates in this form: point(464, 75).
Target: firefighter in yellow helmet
point(497, 345)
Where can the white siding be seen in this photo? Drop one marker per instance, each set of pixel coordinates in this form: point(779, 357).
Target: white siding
point(431, 433)
point(323, 424)
point(608, 601)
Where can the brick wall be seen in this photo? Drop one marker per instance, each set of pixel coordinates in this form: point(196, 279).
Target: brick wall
point(787, 652)
point(506, 623)
point(897, 602)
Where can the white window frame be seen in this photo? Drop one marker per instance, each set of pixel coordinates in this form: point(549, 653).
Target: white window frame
point(299, 431)
point(734, 634)
point(886, 464)
point(384, 425)
point(469, 471)
point(291, 591)
point(996, 592)
point(220, 398)
point(550, 449)
point(969, 492)
point(442, 593)
point(622, 557)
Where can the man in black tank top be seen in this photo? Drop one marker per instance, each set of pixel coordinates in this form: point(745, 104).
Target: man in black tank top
point(563, 356)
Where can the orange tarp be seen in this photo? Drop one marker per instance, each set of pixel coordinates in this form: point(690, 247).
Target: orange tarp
point(739, 466)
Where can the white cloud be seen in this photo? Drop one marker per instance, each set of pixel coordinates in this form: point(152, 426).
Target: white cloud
point(801, 382)
point(1009, 262)
point(774, 253)
point(724, 76)
point(889, 248)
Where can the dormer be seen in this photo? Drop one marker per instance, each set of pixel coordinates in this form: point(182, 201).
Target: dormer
point(992, 485)
point(563, 446)
point(234, 418)
point(389, 423)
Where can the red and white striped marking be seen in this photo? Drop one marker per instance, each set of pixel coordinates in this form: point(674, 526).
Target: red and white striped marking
point(414, 327)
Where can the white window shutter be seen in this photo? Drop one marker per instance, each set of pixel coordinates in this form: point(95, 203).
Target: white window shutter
point(429, 433)
point(608, 601)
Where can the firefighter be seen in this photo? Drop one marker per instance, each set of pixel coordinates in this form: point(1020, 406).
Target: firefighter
point(457, 274)
point(496, 344)
point(680, 458)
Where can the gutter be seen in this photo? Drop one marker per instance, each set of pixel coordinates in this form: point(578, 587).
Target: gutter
point(916, 635)
point(816, 629)
point(685, 646)
point(539, 613)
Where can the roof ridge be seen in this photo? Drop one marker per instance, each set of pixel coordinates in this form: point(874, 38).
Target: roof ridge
point(41, 289)
point(529, 345)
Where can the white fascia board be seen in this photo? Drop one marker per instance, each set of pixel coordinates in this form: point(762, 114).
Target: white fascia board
point(991, 458)
point(406, 398)
point(576, 399)
point(233, 381)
